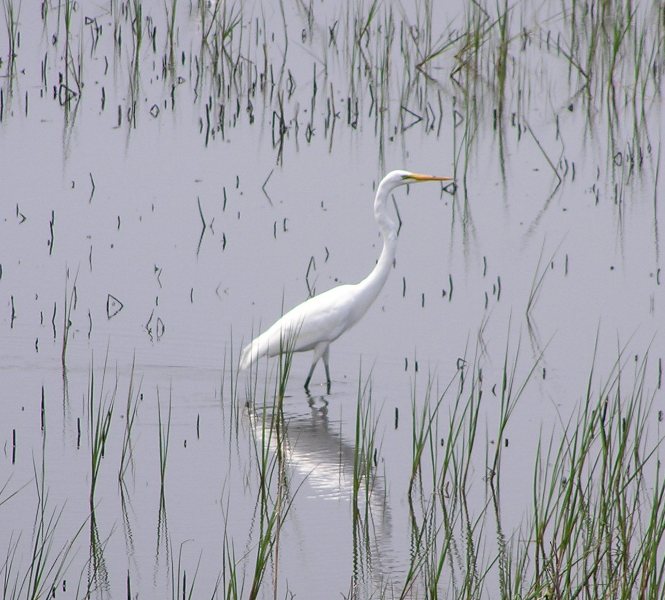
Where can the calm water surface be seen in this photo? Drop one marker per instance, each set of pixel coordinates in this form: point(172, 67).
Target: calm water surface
point(179, 202)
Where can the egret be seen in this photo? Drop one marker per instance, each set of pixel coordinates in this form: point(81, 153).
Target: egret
point(320, 320)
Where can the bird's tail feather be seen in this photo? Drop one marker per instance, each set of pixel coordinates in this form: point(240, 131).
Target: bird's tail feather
point(281, 337)
point(251, 353)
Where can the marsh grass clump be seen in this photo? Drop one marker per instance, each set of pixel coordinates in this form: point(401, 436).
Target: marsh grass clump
point(596, 520)
point(12, 14)
point(48, 562)
point(69, 305)
point(599, 496)
point(274, 497)
point(131, 410)
point(365, 454)
point(48, 557)
point(370, 66)
point(182, 587)
point(164, 430)
point(100, 406)
point(100, 414)
point(367, 506)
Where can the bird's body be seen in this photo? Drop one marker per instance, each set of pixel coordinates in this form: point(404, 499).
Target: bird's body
point(320, 320)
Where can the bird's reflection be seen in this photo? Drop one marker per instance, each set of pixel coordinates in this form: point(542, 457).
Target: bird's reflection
point(316, 450)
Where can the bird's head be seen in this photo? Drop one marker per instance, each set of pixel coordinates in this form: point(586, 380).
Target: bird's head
point(399, 177)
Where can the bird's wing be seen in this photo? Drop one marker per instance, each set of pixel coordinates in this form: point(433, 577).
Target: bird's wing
point(322, 318)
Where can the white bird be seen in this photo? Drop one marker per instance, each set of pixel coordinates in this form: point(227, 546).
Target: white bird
point(320, 320)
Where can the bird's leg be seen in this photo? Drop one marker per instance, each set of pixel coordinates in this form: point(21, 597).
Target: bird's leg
point(309, 375)
point(326, 354)
point(319, 351)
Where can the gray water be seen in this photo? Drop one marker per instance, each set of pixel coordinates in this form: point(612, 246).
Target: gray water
point(182, 239)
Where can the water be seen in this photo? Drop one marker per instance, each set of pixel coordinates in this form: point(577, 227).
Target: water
point(183, 239)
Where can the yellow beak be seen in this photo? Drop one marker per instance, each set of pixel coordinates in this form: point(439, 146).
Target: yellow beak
point(421, 177)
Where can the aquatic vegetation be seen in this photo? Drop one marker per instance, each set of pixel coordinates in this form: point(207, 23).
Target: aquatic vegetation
point(176, 170)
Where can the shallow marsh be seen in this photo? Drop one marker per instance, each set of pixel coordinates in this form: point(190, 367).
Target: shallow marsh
point(173, 175)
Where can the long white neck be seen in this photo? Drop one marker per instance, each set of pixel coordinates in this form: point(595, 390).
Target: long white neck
point(370, 287)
